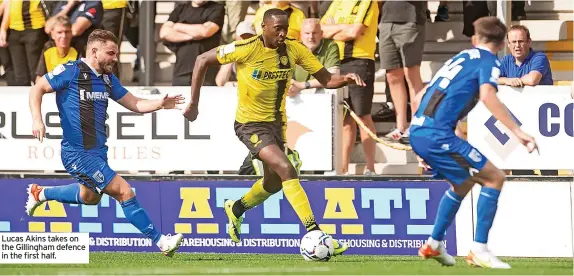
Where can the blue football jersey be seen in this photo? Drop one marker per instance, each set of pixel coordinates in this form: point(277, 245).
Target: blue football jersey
point(82, 100)
point(454, 90)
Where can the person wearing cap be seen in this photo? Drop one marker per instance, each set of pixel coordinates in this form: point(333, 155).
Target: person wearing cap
point(244, 30)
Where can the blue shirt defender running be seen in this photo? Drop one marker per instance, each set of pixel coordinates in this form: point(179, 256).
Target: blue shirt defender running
point(82, 90)
point(464, 79)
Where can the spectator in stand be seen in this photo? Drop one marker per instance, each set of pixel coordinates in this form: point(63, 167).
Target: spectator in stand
point(227, 72)
point(326, 50)
point(235, 12)
point(524, 66)
point(309, 8)
point(25, 40)
point(192, 29)
point(114, 20)
point(353, 25)
point(401, 45)
point(86, 16)
point(5, 59)
point(295, 15)
point(58, 50)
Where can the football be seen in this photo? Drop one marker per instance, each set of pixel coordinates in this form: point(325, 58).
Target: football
point(316, 246)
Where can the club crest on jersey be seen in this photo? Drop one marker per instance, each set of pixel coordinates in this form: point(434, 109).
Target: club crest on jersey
point(284, 60)
point(106, 79)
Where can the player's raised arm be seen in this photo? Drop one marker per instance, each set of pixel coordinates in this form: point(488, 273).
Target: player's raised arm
point(38, 90)
point(139, 105)
point(202, 62)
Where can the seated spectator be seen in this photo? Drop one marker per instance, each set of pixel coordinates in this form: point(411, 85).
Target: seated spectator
point(326, 50)
point(86, 16)
point(295, 15)
point(25, 38)
point(524, 66)
point(227, 72)
point(58, 50)
point(192, 29)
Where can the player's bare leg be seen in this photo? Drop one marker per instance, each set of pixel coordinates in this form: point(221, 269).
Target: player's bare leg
point(492, 180)
point(369, 144)
point(121, 191)
point(349, 137)
point(434, 247)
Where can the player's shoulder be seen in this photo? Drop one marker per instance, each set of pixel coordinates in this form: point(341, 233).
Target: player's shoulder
point(291, 42)
point(65, 69)
point(246, 44)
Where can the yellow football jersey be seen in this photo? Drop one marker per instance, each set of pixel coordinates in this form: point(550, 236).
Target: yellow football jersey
point(264, 76)
point(364, 12)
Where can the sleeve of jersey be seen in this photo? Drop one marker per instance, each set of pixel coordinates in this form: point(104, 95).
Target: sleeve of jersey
point(60, 77)
point(231, 53)
point(330, 11)
point(489, 73)
point(366, 13)
point(306, 59)
point(94, 12)
point(118, 90)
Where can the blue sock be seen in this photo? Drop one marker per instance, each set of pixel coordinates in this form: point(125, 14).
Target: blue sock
point(65, 194)
point(139, 218)
point(447, 209)
point(486, 209)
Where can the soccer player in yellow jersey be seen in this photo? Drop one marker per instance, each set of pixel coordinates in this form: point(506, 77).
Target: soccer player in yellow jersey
point(265, 64)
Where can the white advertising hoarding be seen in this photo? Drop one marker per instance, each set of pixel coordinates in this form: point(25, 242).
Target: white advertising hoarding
point(165, 140)
point(545, 112)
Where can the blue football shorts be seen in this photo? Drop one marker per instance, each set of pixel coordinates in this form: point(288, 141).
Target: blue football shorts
point(90, 169)
point(449, 156)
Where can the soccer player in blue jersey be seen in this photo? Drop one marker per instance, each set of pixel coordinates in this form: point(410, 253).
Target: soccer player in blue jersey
point(82, 90)
point(464, 79)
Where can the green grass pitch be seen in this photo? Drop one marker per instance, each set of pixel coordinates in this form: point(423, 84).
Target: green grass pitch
point(260, 264)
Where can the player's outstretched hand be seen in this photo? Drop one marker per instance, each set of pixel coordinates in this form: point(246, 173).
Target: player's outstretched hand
point(191, 112)
point(39, 130)
point(527, 141)
point(171, 102)
point(354, 78)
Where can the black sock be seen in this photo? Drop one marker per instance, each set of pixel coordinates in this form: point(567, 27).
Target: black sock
point(238, 208)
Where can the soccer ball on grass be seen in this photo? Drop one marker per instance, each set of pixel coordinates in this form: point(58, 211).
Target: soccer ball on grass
point(316, 246)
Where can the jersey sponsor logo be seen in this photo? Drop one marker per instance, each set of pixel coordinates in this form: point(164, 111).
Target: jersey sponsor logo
point(259, 74)
point(93, 96)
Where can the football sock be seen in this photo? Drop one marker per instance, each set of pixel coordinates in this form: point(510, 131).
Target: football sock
point(65, 194)
point(255, 196)
point(447, 209)
point(298, 198)
point(137, 216)
point(486, 210)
